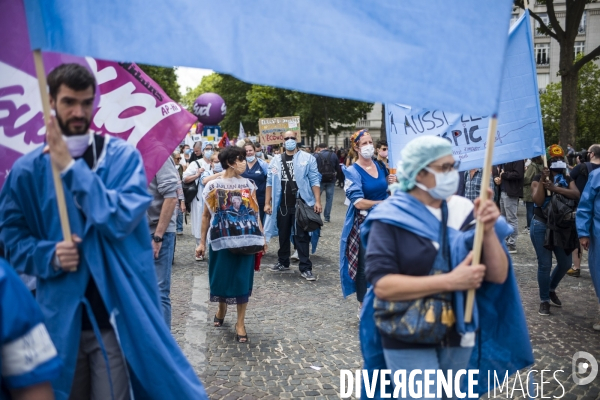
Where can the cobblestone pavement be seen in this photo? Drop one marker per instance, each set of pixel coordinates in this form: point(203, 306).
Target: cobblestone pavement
point(302, 333)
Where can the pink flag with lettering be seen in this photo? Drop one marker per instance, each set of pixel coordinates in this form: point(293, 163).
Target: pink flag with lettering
point(128, 103)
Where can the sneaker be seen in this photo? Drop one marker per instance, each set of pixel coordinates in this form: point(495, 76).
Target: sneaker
point(278, 267)
point(512, 249)
point(327, 220)
point(554, 300)
point(200, 258)
point(308, 276)
point(295, 256)
point(180, 232)
point(596, 326)
point(544, 309)
point(526, 231)
point(574, 272)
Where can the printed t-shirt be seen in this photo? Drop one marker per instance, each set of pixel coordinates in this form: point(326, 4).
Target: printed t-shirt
point(287, 194)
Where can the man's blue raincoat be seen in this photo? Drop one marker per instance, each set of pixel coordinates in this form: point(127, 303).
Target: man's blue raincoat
point(107, 209)
point(588, 224)
point(502, 337)
point(306, 175)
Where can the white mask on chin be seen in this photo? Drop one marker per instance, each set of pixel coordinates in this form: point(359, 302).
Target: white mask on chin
point(78, 144)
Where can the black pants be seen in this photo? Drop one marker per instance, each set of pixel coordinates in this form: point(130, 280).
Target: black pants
point(361, 279)
point(286, 221)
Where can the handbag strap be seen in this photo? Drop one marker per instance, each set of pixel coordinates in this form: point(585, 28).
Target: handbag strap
point(289, 176)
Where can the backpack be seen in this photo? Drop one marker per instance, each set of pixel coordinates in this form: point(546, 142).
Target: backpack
point(190, 191)
point(585, 172)
point(326, 169)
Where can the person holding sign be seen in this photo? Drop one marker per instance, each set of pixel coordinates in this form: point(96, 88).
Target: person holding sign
point(366, 186)
point(293, 176)
point(418, 261)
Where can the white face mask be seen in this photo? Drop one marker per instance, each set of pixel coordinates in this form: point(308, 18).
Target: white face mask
point(78, 144)
point(367, 151)
point(446, 184)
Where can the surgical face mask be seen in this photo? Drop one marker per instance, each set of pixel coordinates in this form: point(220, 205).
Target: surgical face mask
point(78, 144)
point(367, 151)
point(290, 145)
point(250, 158)
point(208, 153)
point(383, 154)
point(259, 154)
point(217, 167)
point(446, 184)
point(188, 151)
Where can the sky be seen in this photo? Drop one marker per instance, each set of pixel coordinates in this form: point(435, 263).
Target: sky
point(190, 77)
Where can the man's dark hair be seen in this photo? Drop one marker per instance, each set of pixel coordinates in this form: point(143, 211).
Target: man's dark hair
point(595, 148)
point(73, 76)
point(381, 142)
point(275, 147)
point(322, 145)
point(229, 155)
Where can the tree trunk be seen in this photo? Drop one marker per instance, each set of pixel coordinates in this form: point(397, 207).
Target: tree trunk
point(568, 114)
point(326, 125)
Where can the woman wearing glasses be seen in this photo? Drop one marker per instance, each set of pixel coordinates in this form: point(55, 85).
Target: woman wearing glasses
point(418, 263)
point(366, 186)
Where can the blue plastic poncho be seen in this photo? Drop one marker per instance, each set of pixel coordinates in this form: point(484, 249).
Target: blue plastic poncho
point(107, 209)
point(588, 224)
point(497, 348)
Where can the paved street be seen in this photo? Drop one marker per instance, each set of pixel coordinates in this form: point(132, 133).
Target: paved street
point(302, 333)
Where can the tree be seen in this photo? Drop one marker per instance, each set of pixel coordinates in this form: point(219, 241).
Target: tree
point(588, 108)
point(166, 79)
point(568, 71)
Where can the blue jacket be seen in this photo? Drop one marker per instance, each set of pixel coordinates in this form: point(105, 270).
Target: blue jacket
point(306, 174)
point(354, 191)
point(107, 209)
point(22, 322)
point(588, 224)
point(496, 349)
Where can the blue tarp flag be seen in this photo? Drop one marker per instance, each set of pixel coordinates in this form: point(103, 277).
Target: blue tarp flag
point(411, 51)
point(519, 135)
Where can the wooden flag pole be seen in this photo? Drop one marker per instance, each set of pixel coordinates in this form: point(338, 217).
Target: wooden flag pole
point(483, 196)
point(58, 186)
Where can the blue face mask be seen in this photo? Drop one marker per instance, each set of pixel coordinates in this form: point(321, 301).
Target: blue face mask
point(217, 168)
point(290, 145)
point(208, 153)
point(188, 151)
point(446, 184)
point(259, 154)
point(250, 158)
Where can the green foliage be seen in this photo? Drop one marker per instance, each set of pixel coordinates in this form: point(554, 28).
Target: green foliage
point(588, 108)
point(248, 103)
point(166, 79)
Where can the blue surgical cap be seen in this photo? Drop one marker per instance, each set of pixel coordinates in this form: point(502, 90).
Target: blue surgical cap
point(417, 154)
point(204, 144)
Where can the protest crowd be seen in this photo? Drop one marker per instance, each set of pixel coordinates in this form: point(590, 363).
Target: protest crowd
point(90, 219)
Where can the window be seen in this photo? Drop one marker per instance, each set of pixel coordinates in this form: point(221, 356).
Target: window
point(543, 81)
point(513, 19)
point(581, 29)
point(579, 48)
point(546, 20)
point(542, 53)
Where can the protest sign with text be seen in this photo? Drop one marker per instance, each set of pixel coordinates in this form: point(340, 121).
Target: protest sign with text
point(272, 129)
point(519, 134)
point(128, 103)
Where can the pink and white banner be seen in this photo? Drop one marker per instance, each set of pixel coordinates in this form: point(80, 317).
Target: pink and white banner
point(128, 103)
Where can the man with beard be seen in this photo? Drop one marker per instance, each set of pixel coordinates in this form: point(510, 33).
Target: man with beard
point(98, 292)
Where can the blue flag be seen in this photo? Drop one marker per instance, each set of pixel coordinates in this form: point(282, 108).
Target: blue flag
point(520, 132)
point(437, 53)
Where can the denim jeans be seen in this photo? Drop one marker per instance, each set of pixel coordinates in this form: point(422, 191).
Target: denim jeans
point(508, 208)
point(529, 207)
point(162, 266)
point(179, 220)
point(442, 358)
point(548, 282)
point(328, 188)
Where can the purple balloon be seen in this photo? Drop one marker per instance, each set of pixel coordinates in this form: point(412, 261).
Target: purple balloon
point(210, 108)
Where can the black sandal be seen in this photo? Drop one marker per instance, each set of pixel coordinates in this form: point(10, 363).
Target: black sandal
point(241, 338)
point(218, 321)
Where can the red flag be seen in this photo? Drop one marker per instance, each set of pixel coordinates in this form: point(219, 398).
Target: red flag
point(224, 142)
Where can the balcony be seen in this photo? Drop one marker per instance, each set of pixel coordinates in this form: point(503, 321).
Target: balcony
point(363, 123)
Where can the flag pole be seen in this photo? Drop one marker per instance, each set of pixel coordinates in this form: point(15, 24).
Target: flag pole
point(483, 196)
point(58, 187)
